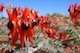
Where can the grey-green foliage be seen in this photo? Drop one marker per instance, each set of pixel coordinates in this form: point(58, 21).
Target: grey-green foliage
point(56, 46)
point(52, 45)
point(3, 29)
point(56, 15)
point(73, 34)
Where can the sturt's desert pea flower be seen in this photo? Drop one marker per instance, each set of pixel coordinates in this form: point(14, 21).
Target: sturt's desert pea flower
point(74, 12)
point(1, 7)
point(12, 26)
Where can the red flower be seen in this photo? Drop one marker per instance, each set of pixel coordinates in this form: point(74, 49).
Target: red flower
point(51, 33)
point(13, 22)
point(73, 10)
point(44, 22)
point(1, 7)
point(20, 11)
point(27, 18)
point(63, 36)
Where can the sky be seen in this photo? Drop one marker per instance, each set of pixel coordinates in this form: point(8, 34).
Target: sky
point(42, 6)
